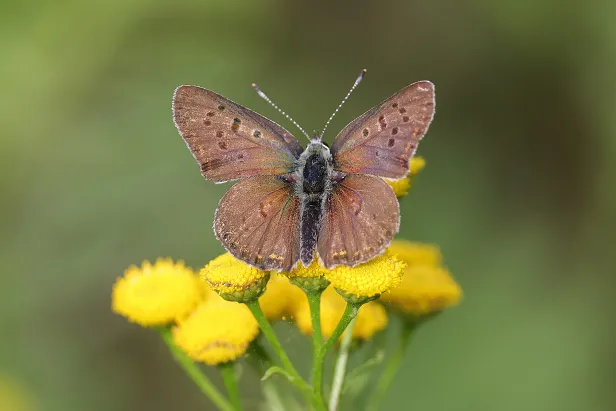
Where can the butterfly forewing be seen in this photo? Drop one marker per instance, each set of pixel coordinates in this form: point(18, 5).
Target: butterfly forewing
point(230, 141)
point(361, 217)
point(381, 141)
point(258, 222)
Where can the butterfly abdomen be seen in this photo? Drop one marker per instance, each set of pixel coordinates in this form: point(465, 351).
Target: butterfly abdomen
point(314, 184)
point(310, 226)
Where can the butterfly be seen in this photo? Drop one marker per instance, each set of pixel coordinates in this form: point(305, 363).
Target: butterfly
point(293, 203)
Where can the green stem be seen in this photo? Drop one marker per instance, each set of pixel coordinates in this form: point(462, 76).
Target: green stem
point(349, 313)
point(314, 301)
point(228, 376)
point(270, 335)
point(391, 368)
point(193, 371)
point(341, 366)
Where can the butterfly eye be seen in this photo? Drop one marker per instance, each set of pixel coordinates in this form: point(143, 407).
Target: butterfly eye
point(325, 144)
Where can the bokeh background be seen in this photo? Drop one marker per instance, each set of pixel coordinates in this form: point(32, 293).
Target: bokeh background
point(518, 190)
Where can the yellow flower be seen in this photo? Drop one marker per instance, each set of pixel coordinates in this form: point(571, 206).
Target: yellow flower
point(402, 186)
point(370, 319)
point(416, 253)
point(234, 280)
point(156, 294)
point(416, 164)
point(424, 290)
point(217, 331)
point(279, 298)
point(311, 278)
point(13, 396)
point(367, 281)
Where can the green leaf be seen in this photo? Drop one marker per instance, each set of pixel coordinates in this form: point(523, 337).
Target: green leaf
point(277, 370)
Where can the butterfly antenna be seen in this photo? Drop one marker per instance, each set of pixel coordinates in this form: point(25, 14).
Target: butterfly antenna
point(266, 98)
point(359, 78)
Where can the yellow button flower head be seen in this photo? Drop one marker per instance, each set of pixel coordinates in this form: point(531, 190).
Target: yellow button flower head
point(416, 164)
point(156, 294)
point(416, 253)
point(367, 281)
point(217, 331)
point(402, 186)
point(370, 319)
point(234, 280)
point(310, 279)
point(424, 290)
point(279, 298)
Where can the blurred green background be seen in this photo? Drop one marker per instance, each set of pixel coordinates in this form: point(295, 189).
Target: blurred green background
point(518, 191)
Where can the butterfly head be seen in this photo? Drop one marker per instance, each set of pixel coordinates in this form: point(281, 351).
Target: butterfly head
point(316, 146)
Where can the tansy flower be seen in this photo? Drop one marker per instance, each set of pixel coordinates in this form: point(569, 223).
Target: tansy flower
point(156, 294)
point(416, 253)
point(217, 331)
point(424, 290)
point(279, 297)
point(416, 164)
point(367, 281)
point(234, 280)
point(402, 186)
point(310, 279)
point(370, 319)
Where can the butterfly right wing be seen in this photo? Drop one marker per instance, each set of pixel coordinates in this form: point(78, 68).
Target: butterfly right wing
point(381, 141)
point(258, 222)
point(230, 141)
point(360, 218)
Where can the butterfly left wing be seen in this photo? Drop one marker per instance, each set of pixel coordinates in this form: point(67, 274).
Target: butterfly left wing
point(257, 221)
point(381, 141)
point(230, 141)
point(361, 217)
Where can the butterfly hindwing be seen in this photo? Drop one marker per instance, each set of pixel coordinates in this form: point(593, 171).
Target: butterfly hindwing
point(381, 141)
point(257, 221)
point(230, 141)
point(361, 217)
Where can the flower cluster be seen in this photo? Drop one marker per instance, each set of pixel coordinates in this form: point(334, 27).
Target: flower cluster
point(208, 328)
point(214, 317)
point(282, 298)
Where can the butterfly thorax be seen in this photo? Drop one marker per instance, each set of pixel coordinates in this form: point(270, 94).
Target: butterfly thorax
point(315, 170)
point(313, 184)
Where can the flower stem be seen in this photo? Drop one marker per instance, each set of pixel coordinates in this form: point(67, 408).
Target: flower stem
point(314, 301)
point(341, 366)
point(228, 376)
point(193, 371)
point(392, 367)
point(270, 335)
point(317, 371)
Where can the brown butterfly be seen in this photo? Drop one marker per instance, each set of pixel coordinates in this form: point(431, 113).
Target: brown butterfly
point(291, 202)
